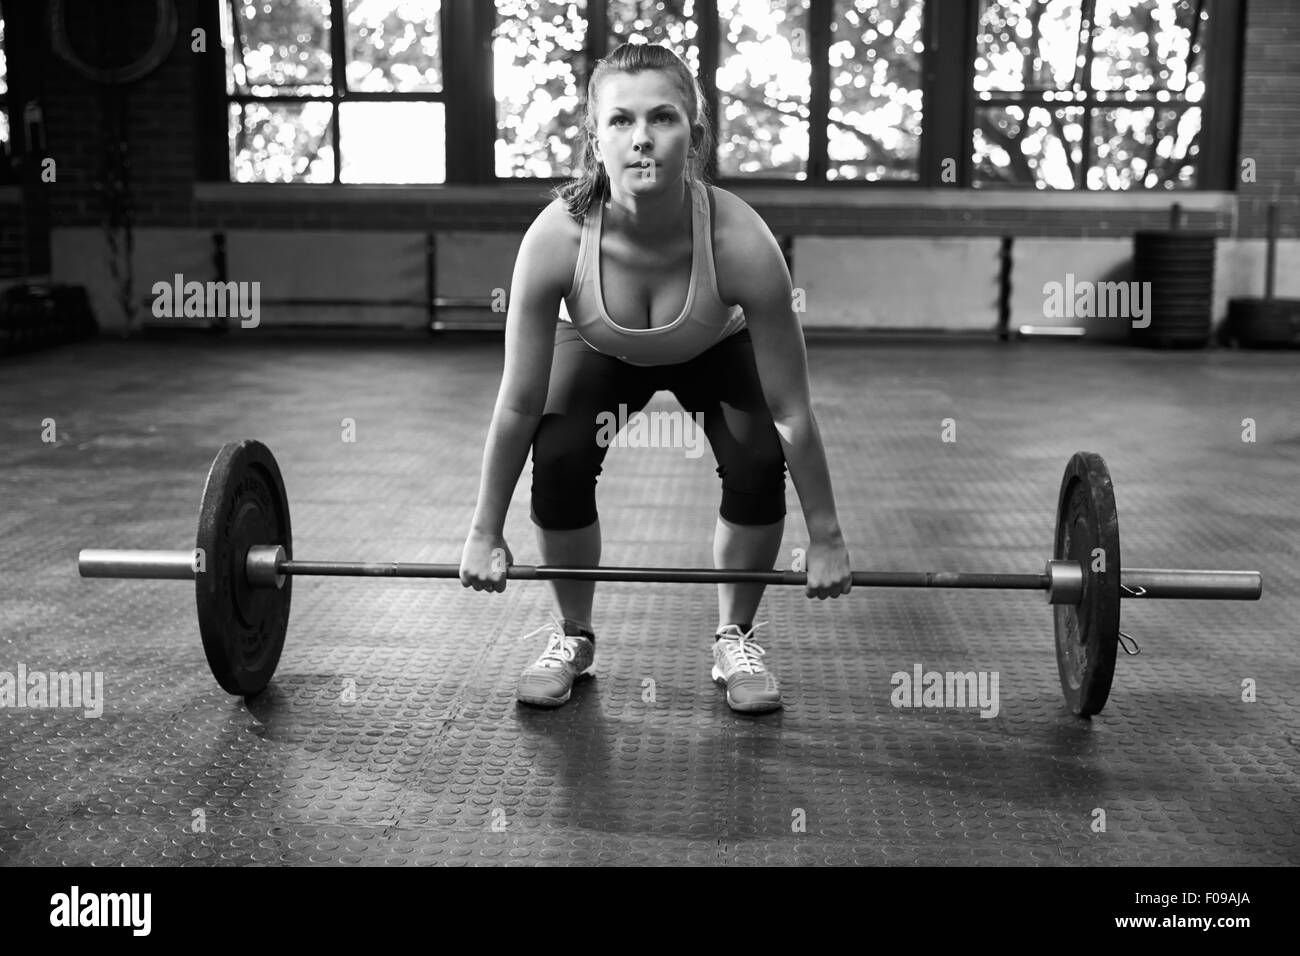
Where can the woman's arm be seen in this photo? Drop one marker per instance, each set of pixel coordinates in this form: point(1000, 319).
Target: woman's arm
point(536, 289)
point(752, 269)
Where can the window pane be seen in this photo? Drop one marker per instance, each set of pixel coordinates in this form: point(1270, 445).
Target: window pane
point(657, 21)
point(534, 47)
point(4, 65)
point(394, 46)
point(1147, 45)
point(392, 143)
point(763, 88)
point(4, 88)
point(274, 45)
point(1045, 150)
point(1028, 45)
point(874, 128)
point(1144, 148)
point(281, 143)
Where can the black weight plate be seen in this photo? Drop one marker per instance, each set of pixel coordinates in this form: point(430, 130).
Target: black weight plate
point(1087, 634)
point(1166, 241)
point(1265, 323)
point(1152, 268)
point(243, 627)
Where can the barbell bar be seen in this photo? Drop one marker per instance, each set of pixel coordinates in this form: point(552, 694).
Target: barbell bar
point(242, 566)
point(1062, 580)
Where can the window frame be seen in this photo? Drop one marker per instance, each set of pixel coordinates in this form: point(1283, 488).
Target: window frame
point(338, 95)
point(947, 87)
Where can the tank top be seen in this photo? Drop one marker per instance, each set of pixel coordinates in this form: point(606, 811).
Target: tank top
point(704, 320)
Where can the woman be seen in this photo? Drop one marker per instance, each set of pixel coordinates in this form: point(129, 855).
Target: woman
point(668, 284)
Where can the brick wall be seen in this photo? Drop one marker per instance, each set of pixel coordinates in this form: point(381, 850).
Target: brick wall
point(10, 239)
point(161, 135)
point(1270, 115)
point(159, 111)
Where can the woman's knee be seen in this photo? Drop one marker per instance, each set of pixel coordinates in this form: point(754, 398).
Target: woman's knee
point(567, 444)
point(753, 465)
point(566, 463)
point(750, 508)
point(753, 487)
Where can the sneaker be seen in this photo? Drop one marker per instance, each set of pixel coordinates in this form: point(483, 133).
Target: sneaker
point(738, 664)
point(548, 681)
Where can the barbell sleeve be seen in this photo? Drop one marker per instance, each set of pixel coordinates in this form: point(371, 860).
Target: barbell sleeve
point(1194, 585)
point(167, 565)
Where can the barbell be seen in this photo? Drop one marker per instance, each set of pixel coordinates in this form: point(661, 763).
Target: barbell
point(243, 565)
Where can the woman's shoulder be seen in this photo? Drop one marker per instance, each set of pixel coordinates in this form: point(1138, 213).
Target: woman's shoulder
point(743, 245)
point(555, 224)
point(736, 226)
point(728, 208)
point(551, 243)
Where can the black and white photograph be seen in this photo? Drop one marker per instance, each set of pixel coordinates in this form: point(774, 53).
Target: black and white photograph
point(651, 433)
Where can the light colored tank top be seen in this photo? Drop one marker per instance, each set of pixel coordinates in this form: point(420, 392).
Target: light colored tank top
point(704, 320)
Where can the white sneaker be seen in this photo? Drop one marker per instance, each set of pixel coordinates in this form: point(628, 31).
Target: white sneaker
point(548, 681)
point(738, 664)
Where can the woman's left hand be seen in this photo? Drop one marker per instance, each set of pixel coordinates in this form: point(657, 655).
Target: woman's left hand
point(829, 572)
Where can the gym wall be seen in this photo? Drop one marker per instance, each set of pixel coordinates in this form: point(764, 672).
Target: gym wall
point(865, 257)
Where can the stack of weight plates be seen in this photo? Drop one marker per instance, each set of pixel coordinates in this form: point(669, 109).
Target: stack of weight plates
point(1264, 323)
point(34, 316)
point(1180, 268)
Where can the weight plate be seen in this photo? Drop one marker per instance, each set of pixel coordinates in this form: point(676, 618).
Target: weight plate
point(1152, 267)
point(1087, 634)
point(1264, 323)
point(243, 627)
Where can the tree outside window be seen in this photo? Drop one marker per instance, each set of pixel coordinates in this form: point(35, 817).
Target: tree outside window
point(4, 95)
point(1089, 94)
point(1046, 94)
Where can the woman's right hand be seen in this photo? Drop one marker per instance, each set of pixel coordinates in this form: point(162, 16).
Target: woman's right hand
point(483, 562)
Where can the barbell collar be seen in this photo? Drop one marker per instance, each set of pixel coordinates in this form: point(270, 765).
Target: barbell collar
point(1065, 582)
point(263, 565)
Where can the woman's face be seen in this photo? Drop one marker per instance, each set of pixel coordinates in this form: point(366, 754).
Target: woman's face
point(642, 110)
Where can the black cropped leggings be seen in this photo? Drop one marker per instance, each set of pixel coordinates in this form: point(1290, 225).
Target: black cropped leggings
point(721, 383)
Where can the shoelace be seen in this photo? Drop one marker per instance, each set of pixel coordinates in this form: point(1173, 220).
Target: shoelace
point(744, 653)
point(560, 650)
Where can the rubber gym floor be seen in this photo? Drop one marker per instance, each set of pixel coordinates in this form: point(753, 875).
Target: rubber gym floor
point(390, 734)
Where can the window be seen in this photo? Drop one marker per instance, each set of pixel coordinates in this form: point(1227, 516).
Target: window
point(538, 66)
point(759, 75)
point(323, 91)
point(1033, 94)
point(763, 89)
point(4, 102)
point(1095, 94)
point(874, 120)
